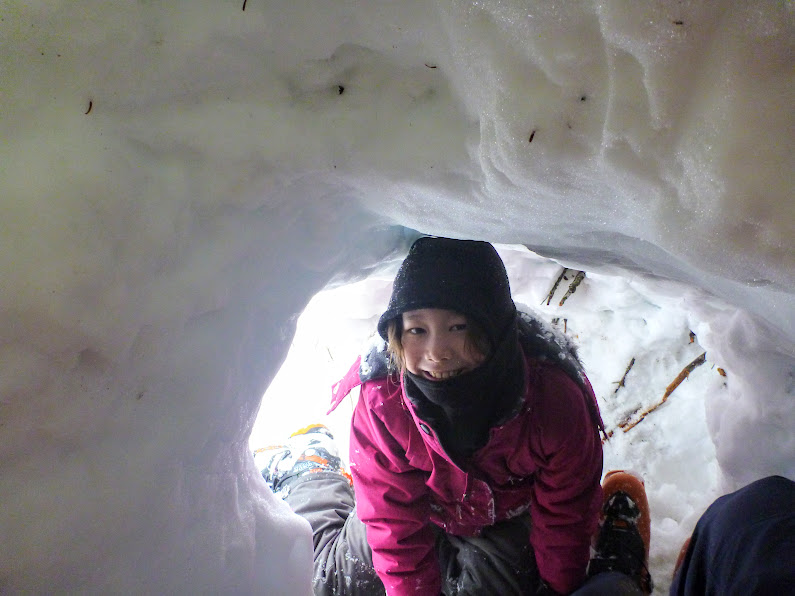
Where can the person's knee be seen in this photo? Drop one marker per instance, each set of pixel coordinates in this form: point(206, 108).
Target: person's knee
point(743, 539)
point(772, 490)
point(749, 505)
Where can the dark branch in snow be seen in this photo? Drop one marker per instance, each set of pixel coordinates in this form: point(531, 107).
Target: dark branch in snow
point(624, 378)
point(669, 390)
point(573, 287)
point(557, 281)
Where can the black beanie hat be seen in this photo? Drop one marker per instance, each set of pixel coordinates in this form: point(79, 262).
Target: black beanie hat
point(466, 276)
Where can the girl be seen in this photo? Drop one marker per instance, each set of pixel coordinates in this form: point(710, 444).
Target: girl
point(475, 448)
point(488, 416)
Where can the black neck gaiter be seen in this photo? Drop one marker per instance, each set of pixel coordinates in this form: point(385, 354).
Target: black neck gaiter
point(464, 408)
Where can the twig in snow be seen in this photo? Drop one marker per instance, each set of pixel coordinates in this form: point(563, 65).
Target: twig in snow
point(627, 419)
point(670, 389)
point(573, 286)
point(555, 286)
point(624, 378)
point(685, 373)
point(90, 105)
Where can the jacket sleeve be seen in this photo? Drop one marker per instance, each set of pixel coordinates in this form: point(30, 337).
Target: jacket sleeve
point(392, 500)
point(567, 490)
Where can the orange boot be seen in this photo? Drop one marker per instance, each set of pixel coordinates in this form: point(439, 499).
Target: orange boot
point(622, 543)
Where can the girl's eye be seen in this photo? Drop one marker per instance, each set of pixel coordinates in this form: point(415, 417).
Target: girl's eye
point(459, 327)
point(415, 330)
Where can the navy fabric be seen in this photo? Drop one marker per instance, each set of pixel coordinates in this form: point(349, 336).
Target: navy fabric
point(744, 544)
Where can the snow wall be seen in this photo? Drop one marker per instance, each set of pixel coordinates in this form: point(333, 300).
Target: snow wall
point(178, 179)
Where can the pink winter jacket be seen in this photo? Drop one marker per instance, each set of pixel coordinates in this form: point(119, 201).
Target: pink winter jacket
point(547, 458)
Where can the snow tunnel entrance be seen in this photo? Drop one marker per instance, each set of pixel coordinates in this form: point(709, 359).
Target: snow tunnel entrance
point(637, 344)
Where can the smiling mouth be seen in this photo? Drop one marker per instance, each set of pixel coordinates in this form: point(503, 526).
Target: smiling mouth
point(443, 375)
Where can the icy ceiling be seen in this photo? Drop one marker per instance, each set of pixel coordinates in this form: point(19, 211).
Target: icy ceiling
point(177, 179)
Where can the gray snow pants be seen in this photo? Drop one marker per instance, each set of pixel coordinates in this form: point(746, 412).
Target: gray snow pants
point(499, 561)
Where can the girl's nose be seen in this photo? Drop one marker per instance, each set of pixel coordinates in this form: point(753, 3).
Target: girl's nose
point(438, 349)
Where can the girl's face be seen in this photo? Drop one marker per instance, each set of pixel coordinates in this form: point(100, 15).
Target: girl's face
point(436, 344)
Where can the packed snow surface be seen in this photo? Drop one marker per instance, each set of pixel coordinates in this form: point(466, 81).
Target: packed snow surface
point(177, 180)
